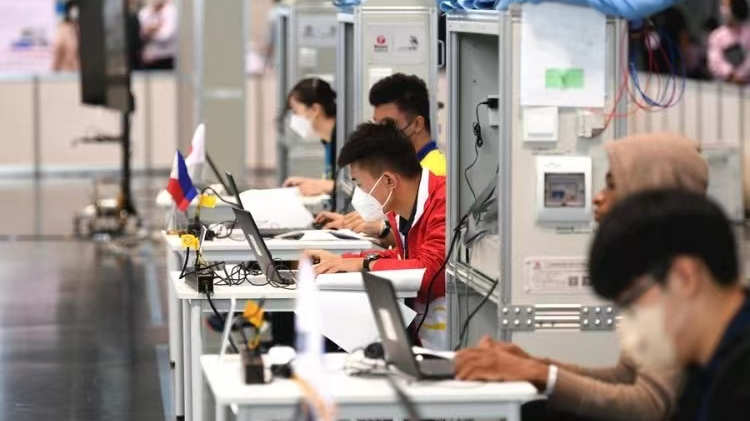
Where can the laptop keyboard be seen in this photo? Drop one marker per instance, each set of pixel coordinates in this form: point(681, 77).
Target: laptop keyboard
point(437, 366)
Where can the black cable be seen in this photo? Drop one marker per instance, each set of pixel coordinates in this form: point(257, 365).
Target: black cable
point(464, 329)
point(454, 240)
point(224, 320)
point(209, 267)
point(230, 229)
point(477, 129)
point(218, 196)
point(184, 265)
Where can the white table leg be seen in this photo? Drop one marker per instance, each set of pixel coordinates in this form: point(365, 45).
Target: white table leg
point(177, 348)
point(186, 361)
point(173, 306)
point(196, 349)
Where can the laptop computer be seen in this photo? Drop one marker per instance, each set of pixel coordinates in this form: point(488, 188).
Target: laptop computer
point(393, 334)
point(265, 260)
point(264, 232)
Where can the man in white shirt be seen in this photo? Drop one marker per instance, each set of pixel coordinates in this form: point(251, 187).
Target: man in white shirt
point(158, 21)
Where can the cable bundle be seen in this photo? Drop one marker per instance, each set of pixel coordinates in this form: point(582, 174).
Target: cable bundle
point(346, 4)
point(451, 5)
point(660, 90)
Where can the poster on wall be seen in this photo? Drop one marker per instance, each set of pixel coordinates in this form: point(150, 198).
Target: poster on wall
point(396, 43)
point(556, 275)
point(27, 30)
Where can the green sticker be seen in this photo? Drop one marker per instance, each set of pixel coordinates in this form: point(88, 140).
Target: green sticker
point(554, 79)
point(574, 79)
point(563, 79)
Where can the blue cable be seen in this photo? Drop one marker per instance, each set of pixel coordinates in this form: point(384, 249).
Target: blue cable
point(346, 4)
point(674, 61)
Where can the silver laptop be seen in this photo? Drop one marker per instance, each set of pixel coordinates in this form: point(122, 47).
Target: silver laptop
point(393, 334)
point(267, 265)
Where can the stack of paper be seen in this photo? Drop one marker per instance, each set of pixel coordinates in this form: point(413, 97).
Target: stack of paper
point(277, 208)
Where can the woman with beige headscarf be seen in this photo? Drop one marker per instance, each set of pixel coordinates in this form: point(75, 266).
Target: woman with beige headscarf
point(627, 391)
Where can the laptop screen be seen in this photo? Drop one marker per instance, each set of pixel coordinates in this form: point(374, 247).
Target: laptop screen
point(252, 234)
point(393, 335)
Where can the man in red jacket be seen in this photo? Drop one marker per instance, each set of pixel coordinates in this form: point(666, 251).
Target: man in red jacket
point(390, 181)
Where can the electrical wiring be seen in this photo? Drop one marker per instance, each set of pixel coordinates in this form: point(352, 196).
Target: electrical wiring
point(221, 229)
point(218, 196)
point(223, 319)
point(454, 241)
point(465, 328)
point(477, 129)
point(668, 87)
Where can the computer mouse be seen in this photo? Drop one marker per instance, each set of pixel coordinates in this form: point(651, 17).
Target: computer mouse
point(318, 225)
point(375, 351)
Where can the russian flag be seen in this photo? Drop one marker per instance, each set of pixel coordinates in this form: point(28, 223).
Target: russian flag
point(180, 186)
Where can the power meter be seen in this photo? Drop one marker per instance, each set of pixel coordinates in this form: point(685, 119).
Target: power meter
point(563, 188)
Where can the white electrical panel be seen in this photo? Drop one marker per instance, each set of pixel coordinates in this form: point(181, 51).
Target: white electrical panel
point(563, 188)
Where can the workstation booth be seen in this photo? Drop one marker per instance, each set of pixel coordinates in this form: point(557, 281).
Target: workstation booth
point(375, 209)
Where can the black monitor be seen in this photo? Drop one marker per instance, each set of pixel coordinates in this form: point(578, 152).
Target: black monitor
point(104, 54)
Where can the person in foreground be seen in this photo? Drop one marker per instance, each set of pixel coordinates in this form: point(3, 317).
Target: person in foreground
point(405, 100)
point(628, 390)
point(391, 181)
point(669, 260)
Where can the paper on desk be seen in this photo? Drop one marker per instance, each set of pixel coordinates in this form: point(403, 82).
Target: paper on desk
point(403, 280)
point(562, 65)
point(348, 320)
point(277, 208)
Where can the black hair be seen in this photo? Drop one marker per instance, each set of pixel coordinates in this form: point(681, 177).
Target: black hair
point(381, 147)
point(739, 10)
point(315, 91)
point(408, 93)
point(645, 232)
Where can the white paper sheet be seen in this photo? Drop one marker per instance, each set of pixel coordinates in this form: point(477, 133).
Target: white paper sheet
point(348, 321)
point(277, 208)
point(562, 56)
point(402, 280)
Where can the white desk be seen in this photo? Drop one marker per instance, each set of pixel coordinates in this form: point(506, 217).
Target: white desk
point(361, 398)
point(188, 387)
point(230, 250)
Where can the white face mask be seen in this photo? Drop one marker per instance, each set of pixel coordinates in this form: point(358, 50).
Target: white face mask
point(368, 206)
point(644, 338)
point(302, 127)
point(73, 14)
